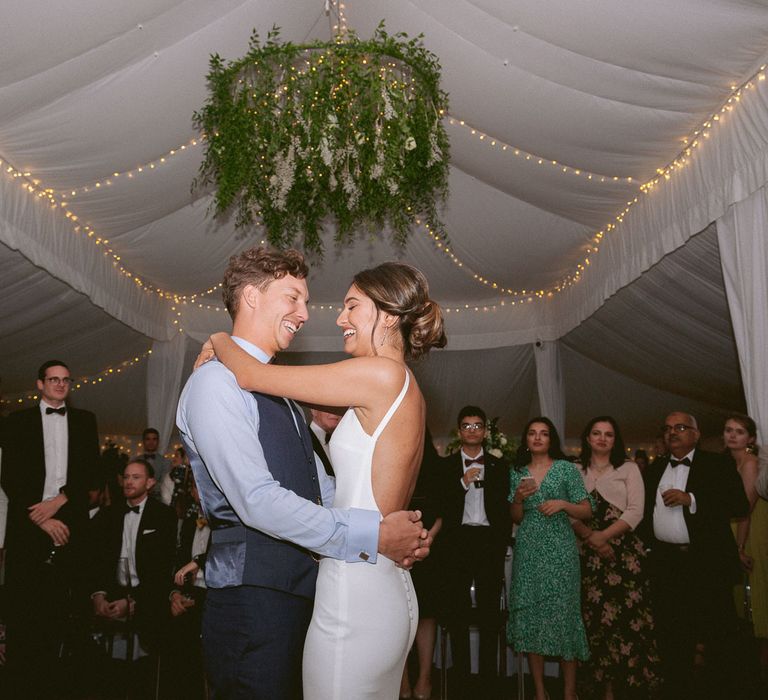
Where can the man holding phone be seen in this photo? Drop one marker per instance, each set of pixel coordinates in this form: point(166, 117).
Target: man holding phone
point(475, 534)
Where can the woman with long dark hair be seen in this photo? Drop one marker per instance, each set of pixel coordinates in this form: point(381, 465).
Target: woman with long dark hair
point(544, 597)
point(740, 438)
point(615, 596)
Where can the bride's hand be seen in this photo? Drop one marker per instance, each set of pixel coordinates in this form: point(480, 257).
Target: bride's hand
point(207, 353)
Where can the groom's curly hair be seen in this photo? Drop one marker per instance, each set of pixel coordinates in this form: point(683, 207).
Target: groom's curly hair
point(259, 267)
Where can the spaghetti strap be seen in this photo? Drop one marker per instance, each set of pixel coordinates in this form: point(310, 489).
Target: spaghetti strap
point(395, 405)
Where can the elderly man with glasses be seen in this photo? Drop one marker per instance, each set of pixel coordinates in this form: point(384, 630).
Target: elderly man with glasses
point(475, 534)
point(691, 497)
point(50, 460)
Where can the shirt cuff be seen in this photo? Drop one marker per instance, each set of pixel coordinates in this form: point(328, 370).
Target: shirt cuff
point(363, 538)
point(463, 485)
point(692, 507)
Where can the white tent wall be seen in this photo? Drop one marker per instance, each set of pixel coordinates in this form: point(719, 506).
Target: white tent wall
point(743, 237)
point(559, 111)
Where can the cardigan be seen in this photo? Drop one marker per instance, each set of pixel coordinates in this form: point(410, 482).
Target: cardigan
point(621, 487)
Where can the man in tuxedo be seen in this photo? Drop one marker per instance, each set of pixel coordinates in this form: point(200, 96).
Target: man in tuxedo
point(50, 460)
point(263, 495)
point(142, 532)
point(321, 428)
point(150, 442)
point(690, 498)
point(475, 534)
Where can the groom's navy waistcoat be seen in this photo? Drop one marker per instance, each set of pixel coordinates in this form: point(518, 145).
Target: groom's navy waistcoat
point(239, 555)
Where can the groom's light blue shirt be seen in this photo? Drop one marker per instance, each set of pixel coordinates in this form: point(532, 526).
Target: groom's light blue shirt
point(219, 422)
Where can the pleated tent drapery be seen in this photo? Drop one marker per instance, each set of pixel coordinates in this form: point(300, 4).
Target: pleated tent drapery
point(550, 383)
point(164, 384)
point(742, 233)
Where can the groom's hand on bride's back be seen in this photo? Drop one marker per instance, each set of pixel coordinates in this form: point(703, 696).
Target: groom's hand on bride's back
point(403, 539)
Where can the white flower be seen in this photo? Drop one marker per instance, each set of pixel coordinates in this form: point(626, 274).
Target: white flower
point(282, 180)
point(435, 154)
point(389, 112)
point(502, 440)
point(325, 152)
point(496, 452)
point(410, 143)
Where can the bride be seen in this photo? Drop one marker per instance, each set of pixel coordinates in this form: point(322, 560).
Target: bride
point(365, 616)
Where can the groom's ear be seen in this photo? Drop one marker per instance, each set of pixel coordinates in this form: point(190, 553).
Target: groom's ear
point(250, 296)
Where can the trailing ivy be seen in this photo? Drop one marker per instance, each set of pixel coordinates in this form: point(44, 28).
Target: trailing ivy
point(349, 131)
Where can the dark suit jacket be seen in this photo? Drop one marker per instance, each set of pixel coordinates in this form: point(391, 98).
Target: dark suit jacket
point(720, 496)
point(320, 452)
point(155, 546)
point(186, 540)
point(23, 479)
point(495, 492)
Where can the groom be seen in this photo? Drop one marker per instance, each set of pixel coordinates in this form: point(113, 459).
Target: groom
point(265, 498)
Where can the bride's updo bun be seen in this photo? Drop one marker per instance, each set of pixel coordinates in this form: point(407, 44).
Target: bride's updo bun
point(402, 290)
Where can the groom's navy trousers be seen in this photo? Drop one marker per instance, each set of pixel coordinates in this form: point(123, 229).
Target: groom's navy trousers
point(253, 639)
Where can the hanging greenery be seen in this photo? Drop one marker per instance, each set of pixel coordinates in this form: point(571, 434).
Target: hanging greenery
point(349, 131)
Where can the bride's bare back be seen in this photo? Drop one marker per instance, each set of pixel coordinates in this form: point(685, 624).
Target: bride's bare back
point(399, 449)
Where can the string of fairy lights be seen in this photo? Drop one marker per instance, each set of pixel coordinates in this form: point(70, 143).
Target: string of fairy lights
point(63, 200)
point(97, 379)
point(533, 158)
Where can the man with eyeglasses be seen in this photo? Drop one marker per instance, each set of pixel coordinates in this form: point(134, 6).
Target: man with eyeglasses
point(475, 534)
point(50, 460)
point(691, 497)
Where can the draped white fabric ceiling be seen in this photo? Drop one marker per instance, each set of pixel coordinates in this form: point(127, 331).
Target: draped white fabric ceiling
point(95, 95)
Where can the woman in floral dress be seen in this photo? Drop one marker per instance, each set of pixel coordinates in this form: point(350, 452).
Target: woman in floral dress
point(544, 597)
point(616, 602)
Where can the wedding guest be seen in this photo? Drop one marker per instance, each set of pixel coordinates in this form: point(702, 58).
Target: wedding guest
point(150, 443)
point(475, 534)
point(615, 593)
point(740, 435)
point(544, 599)
point(50, 458)
point(690, 499)
point(142, 532)
point(183, 653)
point(175, 487)
point(427, 575)
point(641, 460)
point(321, 428)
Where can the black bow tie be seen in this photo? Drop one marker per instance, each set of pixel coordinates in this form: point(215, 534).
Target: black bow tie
point(147, 455)
point(61, 411)
point(132, 509)
point(478, 460)
point(674, 462)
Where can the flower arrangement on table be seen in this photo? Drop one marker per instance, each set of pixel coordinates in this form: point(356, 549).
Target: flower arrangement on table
point(349, 130)
point(496, 442)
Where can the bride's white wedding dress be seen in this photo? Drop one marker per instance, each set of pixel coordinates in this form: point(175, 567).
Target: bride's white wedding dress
point(365, 615)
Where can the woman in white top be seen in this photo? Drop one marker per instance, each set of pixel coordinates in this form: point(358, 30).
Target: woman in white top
point(616, 600)
point(365, 616)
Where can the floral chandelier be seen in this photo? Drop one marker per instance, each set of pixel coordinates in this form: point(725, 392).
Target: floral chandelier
point(348, 131)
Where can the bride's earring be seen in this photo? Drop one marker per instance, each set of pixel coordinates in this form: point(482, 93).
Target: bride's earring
point(384, 337)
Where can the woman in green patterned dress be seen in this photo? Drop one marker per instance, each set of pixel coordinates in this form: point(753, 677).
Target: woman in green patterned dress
point(545, 595)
